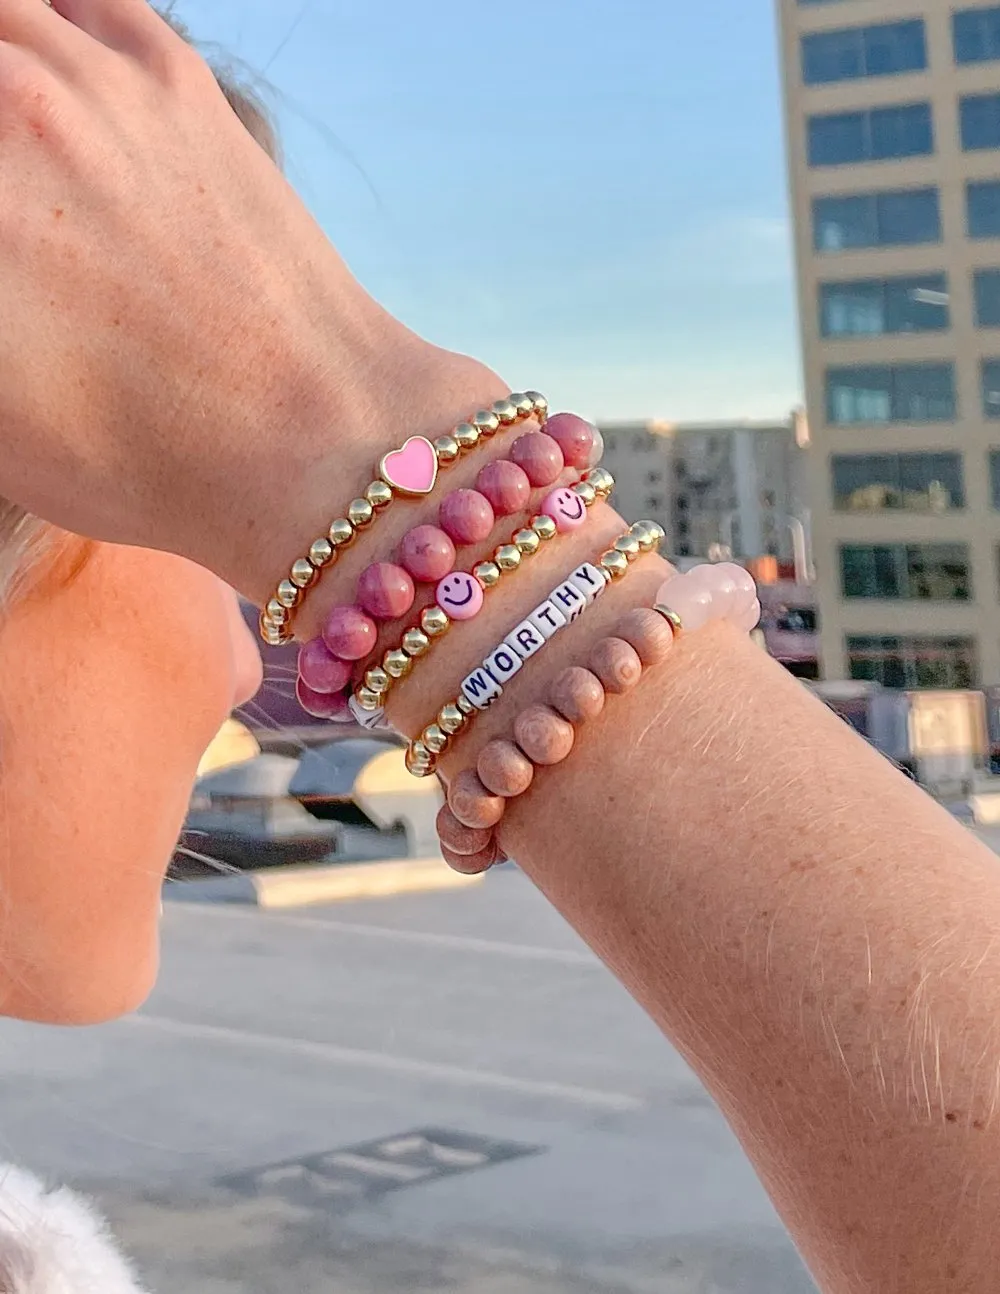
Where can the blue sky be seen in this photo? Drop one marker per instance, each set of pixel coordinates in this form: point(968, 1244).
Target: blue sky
point(587, 194)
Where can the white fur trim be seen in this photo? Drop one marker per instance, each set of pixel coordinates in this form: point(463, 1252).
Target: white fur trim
point(54, 1242)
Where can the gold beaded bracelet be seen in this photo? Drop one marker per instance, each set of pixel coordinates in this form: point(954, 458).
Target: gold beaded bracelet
point(277, 616)
point(454, 718)
point(370, 695)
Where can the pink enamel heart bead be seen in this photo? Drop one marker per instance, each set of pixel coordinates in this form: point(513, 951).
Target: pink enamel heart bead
point(412, 469)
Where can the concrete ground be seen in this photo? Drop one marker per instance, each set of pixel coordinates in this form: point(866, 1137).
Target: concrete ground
point(442, 1092)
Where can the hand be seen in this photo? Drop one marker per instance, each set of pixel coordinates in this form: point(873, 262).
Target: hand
point(181, 348)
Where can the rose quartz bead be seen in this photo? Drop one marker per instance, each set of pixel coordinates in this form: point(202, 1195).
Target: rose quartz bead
point(321, 705)
point(749, 619)
point(566, 509)
point(385, 591)
point(577, 694)
point(349, 633)
point(472, 804)
point(459, 838)
point(544, 736)
point(575, 437)
point(648, 633)
point(467, 516)
point(320, 670)
point(539, 457)
point(503, 769)
point(691, 600)
point(746, 586)
point(427, 553)
point(472, 864)
point(616, 664)
point(506, 486)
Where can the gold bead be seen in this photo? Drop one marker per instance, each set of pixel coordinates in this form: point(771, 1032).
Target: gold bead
point(289, 594)
point(434, 621)
point(615, 563)
point(303, 574)
point(508, 557)
point(396, 663)
point(271, 633)
point(447, 449)
point(506, 411)
point(367, 699)
point(378, 494)
point(672, 618)
point(435, 739)
point(528, 541)
point(488, 574)
point(629, 545)
point(524, 404)
point(586, 492)
point(415, 642)
point(360, 513)
point(322, 553)
point(467, 436)
point(341, 533)
point(644, 534)
point(541, 405)
point(659, 534)
point(487, 422)
point(276, 613)
point(419, 760)
point(377, 680)
point(465, 705)
point(602, 481)
point(451, 719)
point(544, 527)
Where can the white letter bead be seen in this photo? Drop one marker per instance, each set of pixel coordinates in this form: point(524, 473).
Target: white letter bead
point(525, 640)
point(481, 688)
point(569, 600)
point(547, 619)
point(503, 663)
point(589, 580)
point(372, 720)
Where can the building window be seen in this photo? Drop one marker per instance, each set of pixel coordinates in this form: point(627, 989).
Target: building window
point(901, 130)
point(995, 477)
point(914, 662)
point(976, 34)
point(982, 207)
point(881, 50)
point(906, 572)
point(979, 115)
point(890, 393)
point(865, 307)
point(912, 482)
point(654, 478)
point(986, 292)
point(894, 218)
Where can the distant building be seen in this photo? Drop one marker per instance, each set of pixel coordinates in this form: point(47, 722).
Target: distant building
point(714, 487)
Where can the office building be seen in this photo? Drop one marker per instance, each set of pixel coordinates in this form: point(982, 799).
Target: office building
point(713, 487)
point(893, 125)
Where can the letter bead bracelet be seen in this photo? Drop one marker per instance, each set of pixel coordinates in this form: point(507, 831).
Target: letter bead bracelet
point(545, 734)
point(408, 472)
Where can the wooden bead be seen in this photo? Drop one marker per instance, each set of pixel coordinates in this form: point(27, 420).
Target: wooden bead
point(648, 633)
point(578, 694)
point(472, 804)
point(616, 664)
point(544, 736)
point(504, 769)
point(472, 864)
point(459, 838)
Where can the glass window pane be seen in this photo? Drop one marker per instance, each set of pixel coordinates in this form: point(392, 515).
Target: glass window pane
point(983, 209)
point(917, 304)
point(903, 131)
point(908, 216)
point(977, 35)
point(832, 56)
point(859, 576)
point(838, 138)
point(866, 482)
point(991, 388)
point(923, 393)
point(894, 47)
point(980, 121)
point(934, 482)
point(938, 572)
point(986, 284)
point(870, 306)
point(995, 477)
point(840, 223)
point(852, 309)
point(858, 395)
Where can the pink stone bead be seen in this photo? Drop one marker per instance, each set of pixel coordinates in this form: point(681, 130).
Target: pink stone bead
point(749, 619)
point(427, 553)
point(320, 670)
point(616, 663)
point(473, 864)
point(503, 769)
point(690, 599)
point(577, 693)
point(539, 456)
point(506, 486)
point(460, 595)
point(722, 587)
point(385, 591)
point(467, 516)
point(746, 586)
point(349, 633)
point(459, 838)
point(331, 706)
point(566, 509)
point(544, 736)
point(648, 633)
point(575, 437)
point(472, 804)
point(596, 448)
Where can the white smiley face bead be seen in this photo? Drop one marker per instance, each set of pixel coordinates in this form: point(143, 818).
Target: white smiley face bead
point(566, 509)
point(460, 595)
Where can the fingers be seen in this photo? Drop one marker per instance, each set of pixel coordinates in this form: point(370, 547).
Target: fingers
point(130, 26)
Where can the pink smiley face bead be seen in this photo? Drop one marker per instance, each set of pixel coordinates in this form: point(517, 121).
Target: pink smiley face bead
point(460, 595)
point(566, 509)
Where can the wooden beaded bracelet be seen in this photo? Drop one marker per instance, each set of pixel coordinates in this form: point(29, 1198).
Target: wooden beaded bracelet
point(545, 734)
point(409, 472)
point(568, 600)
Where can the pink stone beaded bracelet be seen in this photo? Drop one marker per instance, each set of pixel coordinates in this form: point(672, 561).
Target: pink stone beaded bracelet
point(410, 471)
point(567, 601)
point(544, 734)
